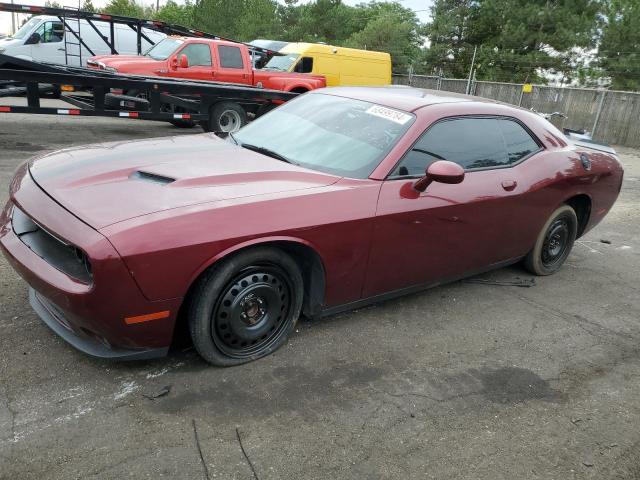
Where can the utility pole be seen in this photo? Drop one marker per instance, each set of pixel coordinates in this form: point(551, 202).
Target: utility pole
point(13, 21)
point(473, 61)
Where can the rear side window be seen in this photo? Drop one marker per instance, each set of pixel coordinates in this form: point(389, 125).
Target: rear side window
point(230, 57)
point(470, 142)
point(517, 140)
point(197, 54)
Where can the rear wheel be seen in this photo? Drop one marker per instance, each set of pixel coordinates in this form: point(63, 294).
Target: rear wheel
point(225, 117)
point(245, 307)
point(554, 243)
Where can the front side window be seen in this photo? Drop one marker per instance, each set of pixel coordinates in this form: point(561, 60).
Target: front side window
point(230, 57)
point(305, 65)
point(198, 54)
point(331, 134)
point(470, 142)
point(26, 28)
point(51, 32)
point(163, 49)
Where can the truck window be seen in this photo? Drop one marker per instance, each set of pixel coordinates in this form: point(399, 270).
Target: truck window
point(230, 57)
point(305, 65)
point(197, 54)
point(26, 28)
point(51, 32)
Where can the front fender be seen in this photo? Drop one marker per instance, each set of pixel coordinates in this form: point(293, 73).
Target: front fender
point(255, 242)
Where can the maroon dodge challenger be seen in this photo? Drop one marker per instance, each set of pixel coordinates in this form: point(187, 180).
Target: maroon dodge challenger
point(337, 199)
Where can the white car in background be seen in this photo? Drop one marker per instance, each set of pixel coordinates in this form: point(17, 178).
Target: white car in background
point(41, 39)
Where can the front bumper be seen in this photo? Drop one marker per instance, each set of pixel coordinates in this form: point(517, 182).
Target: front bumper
point(56, 321)
point(90, 316)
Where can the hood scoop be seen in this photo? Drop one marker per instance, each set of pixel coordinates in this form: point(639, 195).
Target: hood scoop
point(151, 177)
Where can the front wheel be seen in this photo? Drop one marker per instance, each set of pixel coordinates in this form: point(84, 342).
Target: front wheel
point(554, 243)
point(245, 307)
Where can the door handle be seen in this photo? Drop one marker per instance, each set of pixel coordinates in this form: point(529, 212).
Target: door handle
point(509, 185)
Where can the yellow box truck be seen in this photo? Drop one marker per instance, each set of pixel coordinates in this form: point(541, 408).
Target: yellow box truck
point(339, 65)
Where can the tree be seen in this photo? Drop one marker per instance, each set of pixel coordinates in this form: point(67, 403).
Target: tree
point(619, 50)
point(127, 8)
point(450, 36)
point(241, 19)
point(516, 39)
point(173, 13)
point(393, 31)
point(88, 6)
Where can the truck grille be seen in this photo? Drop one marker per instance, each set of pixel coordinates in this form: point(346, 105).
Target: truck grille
point(67, 258)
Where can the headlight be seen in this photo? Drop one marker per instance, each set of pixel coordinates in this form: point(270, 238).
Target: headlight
point(111, 69)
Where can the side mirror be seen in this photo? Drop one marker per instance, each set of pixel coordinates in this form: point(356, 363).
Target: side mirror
point(441, 171)
point(184, 61)
point(33, 39)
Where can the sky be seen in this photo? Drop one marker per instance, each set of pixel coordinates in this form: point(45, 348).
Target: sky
point(421, 7)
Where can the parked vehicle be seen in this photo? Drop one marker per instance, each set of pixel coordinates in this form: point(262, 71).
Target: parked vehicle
point(159, 99)
point(339, 65)
point(212, 60)
point(337, 199)
point(260, 59)
point(42, 39)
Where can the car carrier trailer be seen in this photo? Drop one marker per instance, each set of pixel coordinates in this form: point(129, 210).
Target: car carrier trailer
point(70, 18)
point(90, 93)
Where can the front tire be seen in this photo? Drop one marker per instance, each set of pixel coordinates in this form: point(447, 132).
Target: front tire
point(554, 243)
point(245, 307)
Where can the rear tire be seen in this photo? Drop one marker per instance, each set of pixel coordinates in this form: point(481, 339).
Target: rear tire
point(245, 307)
point(225, 117)
point(554, 243)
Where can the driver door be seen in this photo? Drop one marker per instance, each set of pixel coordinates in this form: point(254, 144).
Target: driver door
point(450, 231)
point(50, 49)
point(200, 64)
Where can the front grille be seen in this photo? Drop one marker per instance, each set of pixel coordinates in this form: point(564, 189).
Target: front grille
point(61, 255)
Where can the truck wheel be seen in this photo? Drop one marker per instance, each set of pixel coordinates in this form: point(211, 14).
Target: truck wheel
point(225, 117)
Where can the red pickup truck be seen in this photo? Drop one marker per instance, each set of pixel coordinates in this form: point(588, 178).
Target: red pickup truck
point(212, 60)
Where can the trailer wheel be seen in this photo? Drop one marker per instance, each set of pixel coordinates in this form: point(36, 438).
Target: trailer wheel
point(225, 117)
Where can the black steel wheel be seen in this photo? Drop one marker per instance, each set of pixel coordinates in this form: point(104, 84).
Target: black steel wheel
point(246, 306)
point(554, 243)
point(252, 312)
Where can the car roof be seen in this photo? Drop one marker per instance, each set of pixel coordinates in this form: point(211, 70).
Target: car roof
point(402, 97)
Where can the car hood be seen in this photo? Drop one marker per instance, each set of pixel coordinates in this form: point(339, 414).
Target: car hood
point(124, 63)
point(10, 42)
point(108, 183)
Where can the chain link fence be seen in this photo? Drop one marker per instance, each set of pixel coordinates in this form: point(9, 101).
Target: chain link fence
point(611, 116)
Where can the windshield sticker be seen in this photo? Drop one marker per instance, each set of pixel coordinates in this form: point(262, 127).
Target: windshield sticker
point(389, 114)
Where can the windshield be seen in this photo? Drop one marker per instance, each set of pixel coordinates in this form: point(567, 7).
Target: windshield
point(26, 28)
point(281, 63)
point(336, 135)
point(162, 50)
